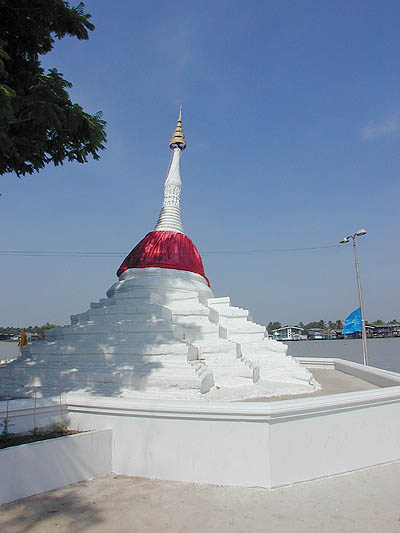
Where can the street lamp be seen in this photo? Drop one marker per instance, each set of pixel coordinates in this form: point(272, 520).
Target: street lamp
point(359, 233)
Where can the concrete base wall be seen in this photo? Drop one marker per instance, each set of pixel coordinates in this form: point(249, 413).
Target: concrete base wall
point(335, 441)
point(251, 444)
point(46, 465)
point(181, 444)
point(265, 444)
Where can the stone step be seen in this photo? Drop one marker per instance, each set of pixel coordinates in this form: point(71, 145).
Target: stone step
point(131, 364)
point(133, 347)
point(245, 337)
point(169, 299)
point(179, 296)
point(200, 368)
point(221, 300)
point(128, 337)
point(229, 313)
point(190, 320)
point(107, 301)
point(125, 326)
point(124, 305)
point(110, 320)
point(114, 323)
point(271, 360)
point(246, 327)
point(263, 347)
point(191, 306)
point(190, 310)
point(87, 374)
point(128, 366)
point(54, 372)
point(165, 393)
point(139, 296)
point(220, 347)
point(199, 334)
point(99, 387)
point(232, 381)
point(136, 292)
point(234, 322)
point(105, 389)
point(101, 358)
point(231, 370)
point(142, 368)
point(281, 367)
point(146, 309)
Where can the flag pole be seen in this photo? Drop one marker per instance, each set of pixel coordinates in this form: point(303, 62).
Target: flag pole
point(363, 328)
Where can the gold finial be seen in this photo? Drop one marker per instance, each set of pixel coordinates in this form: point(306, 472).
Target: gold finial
point(178, 139)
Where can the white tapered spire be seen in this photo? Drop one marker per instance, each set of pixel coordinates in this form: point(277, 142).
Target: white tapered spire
point(170, 215)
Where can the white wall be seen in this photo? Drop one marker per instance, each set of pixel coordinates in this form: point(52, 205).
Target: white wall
point(182, 444)
point(41, 466)
point(341, 439)
point(22, 417)
point(267, 444)
point(248, 443)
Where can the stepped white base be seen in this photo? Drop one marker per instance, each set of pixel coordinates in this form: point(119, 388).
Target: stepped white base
point(159, 334)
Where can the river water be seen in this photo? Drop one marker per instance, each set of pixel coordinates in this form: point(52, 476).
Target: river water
point(382, 353)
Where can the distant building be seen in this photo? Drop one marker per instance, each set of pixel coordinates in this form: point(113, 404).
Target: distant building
point(5, 336)
point(316, 334)
point(338, 334)
point(387, 330)
point(319, 334)
point(370, 330)
point(289, 333)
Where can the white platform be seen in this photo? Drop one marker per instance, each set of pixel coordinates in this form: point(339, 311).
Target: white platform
point(263, 444)
point(160, 333)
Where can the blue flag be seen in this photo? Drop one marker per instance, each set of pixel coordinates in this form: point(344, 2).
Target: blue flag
point(352, 322)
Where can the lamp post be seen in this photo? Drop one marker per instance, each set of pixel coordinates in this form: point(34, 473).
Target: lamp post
point(359, 233)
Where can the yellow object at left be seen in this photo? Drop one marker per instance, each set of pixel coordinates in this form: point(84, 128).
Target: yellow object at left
point(24, 339)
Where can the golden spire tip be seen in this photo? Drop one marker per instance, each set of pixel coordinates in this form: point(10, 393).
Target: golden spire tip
point(178, 138)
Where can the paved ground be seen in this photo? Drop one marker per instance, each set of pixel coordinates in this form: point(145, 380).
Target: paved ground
point(332, 382)
point(335, 382)
point(366, 501)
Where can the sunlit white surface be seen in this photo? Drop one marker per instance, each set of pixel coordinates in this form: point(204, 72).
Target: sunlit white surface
point(160, 333)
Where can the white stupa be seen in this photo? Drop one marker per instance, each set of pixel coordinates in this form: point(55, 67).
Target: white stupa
point(160, 332)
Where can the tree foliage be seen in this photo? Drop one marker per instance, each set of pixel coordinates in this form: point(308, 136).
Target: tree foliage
point(39, 330)
point(38, 121)
point(314, 325)
point(321, 324)
point(273, 325)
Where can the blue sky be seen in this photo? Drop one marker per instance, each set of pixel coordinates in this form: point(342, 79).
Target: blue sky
point(292, 117)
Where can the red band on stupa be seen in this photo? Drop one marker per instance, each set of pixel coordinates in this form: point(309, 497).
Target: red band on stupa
point(165, 249)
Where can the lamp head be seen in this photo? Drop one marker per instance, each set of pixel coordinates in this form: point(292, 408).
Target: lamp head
point(361, 232)
point(346, 239)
